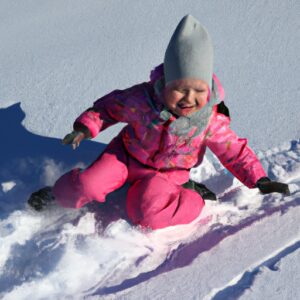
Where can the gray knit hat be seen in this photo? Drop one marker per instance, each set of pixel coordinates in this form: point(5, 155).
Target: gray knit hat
point(189, 53)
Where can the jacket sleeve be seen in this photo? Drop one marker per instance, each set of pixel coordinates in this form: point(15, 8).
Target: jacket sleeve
point(232, 151)
point(117, 106)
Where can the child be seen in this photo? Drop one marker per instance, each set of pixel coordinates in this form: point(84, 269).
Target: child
point(171, 120)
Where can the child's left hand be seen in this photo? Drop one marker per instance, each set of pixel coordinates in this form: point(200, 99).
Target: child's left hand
point(74, 138)
point(266, 186)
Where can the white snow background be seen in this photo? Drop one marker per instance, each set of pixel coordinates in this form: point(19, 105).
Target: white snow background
point(56, 58)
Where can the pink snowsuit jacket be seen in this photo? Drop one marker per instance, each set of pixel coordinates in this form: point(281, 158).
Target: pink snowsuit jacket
point(155, 161)
point(148, 140)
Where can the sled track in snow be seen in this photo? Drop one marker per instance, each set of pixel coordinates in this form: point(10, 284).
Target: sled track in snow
point(243, 281)
point(187, 253)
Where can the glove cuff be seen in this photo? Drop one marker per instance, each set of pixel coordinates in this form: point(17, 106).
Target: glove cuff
point(262, 180)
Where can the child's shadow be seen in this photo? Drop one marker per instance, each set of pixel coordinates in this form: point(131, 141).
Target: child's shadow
point(27, 158)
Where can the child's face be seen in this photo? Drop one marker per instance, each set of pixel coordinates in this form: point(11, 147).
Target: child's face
point(185, 96)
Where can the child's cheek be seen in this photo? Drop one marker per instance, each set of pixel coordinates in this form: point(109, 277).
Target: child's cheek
point(170, 102)
point(203, 101)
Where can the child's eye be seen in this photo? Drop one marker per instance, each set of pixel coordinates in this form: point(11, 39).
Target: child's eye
point(180, 91)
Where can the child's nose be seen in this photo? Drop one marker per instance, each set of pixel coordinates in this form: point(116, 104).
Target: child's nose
point(190, 96)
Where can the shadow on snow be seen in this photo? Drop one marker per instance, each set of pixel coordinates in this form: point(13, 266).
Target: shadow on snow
point(24, 155)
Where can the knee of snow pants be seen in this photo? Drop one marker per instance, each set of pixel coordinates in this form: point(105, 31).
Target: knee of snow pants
point(108, 173)
point(156, 202)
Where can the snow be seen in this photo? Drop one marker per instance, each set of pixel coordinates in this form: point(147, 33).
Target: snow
point(7, 186)
point(56, 58)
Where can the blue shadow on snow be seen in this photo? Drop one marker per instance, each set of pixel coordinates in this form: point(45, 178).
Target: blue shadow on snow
point(23, 155)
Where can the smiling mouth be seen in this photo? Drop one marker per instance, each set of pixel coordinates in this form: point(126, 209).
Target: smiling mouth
point(184, 106)
point(187, 106)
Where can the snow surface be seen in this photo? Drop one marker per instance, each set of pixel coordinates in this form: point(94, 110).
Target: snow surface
point(56, 58)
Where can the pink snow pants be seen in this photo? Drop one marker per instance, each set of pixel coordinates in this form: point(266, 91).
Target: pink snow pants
point(155, 198)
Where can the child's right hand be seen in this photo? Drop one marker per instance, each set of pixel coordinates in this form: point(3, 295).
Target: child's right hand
point(73, 138)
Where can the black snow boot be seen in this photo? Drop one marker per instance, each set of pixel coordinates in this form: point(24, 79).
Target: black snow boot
point(40, 199)
point(201, 189)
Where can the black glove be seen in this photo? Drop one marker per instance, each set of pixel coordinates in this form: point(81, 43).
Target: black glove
point(201, 189)
point(266, 186)
point(40, 199)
